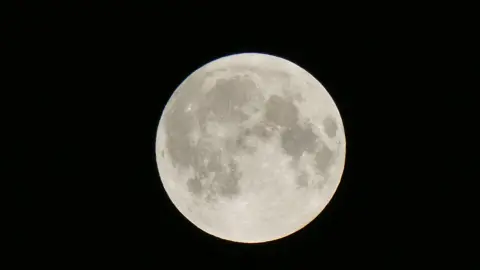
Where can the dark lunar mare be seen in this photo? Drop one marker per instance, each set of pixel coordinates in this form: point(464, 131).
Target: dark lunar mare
point(330, 126)
point(221, 104)
point(295, 138)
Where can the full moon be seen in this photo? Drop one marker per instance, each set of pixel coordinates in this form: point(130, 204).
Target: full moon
point(250, 148)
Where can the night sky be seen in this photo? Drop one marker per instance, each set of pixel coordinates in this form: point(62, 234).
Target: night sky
point(87, 85)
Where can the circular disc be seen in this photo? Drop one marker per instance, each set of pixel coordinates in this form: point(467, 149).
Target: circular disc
point(250, 148)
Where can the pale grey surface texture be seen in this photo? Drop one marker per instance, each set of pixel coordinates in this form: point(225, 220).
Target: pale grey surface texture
point(250, 148)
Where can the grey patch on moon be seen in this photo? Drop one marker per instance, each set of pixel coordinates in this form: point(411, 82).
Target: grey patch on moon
point(298, 97)
point(281, 111)
point(242, 143)
point(296, 140)
point(194, 186)
point(215, 163)
point(227, 97)
point(225, 178)
point(263, 131)
point(224, 181)
point(178, 124)
point(302, 179)
point(323, 158)
point(220, 104)
point(228, 181)
point(330, 126)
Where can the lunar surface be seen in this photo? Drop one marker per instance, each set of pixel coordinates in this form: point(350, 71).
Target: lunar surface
point(250, 148)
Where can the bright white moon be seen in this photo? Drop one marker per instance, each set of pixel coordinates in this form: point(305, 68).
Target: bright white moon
point(250, 148)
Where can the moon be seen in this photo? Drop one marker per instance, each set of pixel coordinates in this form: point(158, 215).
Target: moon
point(250, 148)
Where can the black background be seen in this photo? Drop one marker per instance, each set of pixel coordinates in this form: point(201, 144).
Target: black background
point(88, 84)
